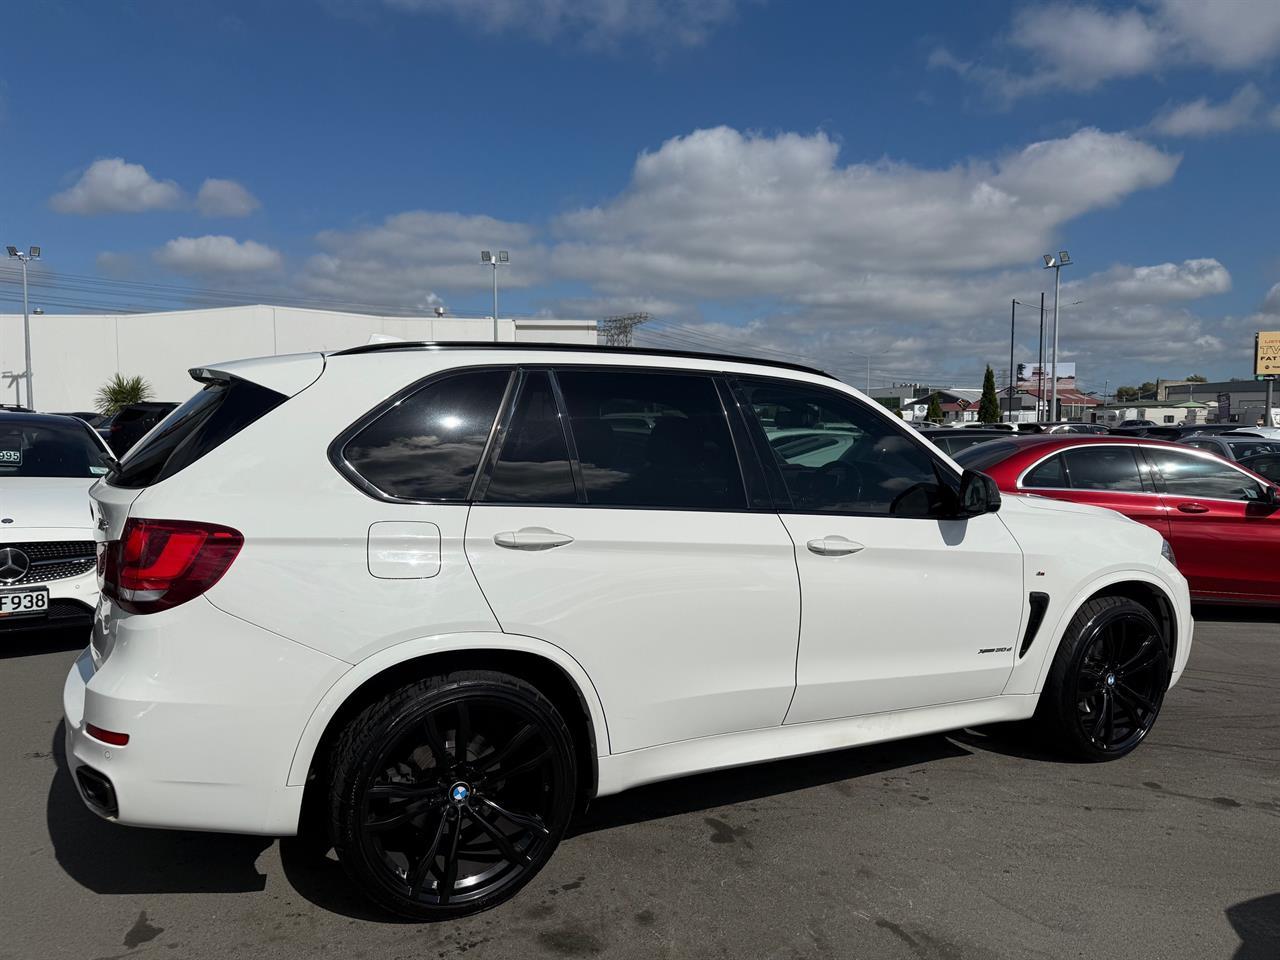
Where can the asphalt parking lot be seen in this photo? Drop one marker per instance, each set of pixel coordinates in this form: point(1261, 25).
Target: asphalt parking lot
point(971, 845)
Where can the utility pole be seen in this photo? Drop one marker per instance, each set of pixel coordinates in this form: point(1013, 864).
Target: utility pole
point(1057, 263)
point(1013, 311)
point(1040, 369)
point(23, 258)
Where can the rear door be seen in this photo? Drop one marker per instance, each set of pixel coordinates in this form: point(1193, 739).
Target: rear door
point(1107, 475)
point(1227, 540)
point(871, 541)
point(629, 541)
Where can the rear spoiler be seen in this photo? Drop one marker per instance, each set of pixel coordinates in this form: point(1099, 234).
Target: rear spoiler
point(289, 374)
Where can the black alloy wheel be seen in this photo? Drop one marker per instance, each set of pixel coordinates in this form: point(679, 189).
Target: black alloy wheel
point(1120, 683)
point(450, 794)
point(1108, 680)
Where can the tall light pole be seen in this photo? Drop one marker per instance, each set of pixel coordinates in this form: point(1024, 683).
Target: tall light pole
point(1063, 259)
point(24, 258)
point(503, 257)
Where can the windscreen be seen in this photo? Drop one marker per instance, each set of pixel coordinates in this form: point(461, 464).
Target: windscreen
point(210, 418)
point(49, 448)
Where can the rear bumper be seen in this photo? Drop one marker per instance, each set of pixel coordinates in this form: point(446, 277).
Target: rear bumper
point(213, 708)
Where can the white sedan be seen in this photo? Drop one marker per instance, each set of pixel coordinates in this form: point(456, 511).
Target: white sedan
point(47, 464)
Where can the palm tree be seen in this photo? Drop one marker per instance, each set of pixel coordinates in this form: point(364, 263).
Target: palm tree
point(120, 391)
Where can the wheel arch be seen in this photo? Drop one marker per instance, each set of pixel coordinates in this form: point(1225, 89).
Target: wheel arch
point(1140, 586)
point(560, 677)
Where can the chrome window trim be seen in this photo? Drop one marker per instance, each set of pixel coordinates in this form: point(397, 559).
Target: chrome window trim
point(1190, 451)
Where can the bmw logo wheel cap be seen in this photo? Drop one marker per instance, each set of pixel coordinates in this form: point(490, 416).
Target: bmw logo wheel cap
point(459, 793)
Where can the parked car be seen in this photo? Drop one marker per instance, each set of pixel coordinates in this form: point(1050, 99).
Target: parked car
point(953, 441)
point(1183, 431)
point(1002, 427)
point(1222, 520)
point(407, 586)
point(1264, 465)
point(92, 419)
point(1231, 446)
point(132, 422)
point(1269, 433)
point(47, 464)
point(1134, 424)
point(1072, 426)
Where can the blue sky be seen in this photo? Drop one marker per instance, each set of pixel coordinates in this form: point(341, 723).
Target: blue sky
point(830, 181)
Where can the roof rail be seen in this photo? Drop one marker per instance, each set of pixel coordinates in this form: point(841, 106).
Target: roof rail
point(571, 348)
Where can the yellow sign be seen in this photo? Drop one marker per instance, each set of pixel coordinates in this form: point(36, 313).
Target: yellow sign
point(1267, 358)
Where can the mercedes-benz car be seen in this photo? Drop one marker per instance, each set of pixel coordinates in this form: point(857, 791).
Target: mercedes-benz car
point(47, 464)
point(438, 597)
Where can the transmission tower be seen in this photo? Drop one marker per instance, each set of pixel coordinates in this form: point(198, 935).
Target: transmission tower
point(617, 330)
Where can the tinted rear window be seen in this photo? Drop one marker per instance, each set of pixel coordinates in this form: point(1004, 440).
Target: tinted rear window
point(210, 418)
point(984, 455)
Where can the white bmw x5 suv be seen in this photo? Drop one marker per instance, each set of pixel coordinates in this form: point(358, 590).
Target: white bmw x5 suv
point(449, 593)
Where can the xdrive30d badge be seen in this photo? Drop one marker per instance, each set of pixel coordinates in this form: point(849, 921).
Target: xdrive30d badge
point(442, 596)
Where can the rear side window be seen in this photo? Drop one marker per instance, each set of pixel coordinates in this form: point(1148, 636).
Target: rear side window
point(428, 445)
point(652, 440)
point(1103, 468)
point(533, 465)
point(210, 418)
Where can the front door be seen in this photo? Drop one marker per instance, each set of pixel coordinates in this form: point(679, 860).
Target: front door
point(1226, 538)
point(901, 607)
point(640, 557)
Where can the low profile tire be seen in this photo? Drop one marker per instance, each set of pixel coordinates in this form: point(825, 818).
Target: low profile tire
point(448, 795)
point(1107, 682)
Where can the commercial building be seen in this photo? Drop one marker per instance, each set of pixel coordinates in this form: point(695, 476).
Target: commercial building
point(72, 355)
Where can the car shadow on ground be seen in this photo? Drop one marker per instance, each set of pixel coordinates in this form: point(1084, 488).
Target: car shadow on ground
point(107, 858)
point(1227, 613)
point(319, 878)
point(1257, 924)
point(27, 643)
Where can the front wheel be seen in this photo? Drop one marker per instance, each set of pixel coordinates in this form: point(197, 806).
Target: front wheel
point(448, 795)
point(1107, 682)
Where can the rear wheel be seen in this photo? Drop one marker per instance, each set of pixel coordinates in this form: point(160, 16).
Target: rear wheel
point(1108, 680)
point(448, 795)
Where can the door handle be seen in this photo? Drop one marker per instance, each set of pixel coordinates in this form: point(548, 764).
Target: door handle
point(531, 538)
point(1193, 508)
point(833, 547)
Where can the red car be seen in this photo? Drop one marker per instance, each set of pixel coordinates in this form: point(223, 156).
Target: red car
point(1222, 520)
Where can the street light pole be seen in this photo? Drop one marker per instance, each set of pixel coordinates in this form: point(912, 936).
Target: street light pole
point(33, 253)
point(1057, 263)
point(502, 257)
point(1013, 311)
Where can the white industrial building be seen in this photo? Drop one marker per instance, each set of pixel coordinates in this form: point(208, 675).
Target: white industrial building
point(73, 354)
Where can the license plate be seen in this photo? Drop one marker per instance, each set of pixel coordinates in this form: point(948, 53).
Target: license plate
point(19, 603)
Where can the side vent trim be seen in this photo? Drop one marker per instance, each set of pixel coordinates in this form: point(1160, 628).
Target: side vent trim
point(1039, 603)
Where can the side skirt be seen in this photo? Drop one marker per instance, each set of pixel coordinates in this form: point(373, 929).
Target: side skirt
point(622, 771)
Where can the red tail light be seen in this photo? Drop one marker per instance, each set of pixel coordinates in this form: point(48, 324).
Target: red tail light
point(158, 564)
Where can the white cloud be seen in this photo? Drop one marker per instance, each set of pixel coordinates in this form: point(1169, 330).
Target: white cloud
point(596, 22)
point(1160, 283)
point(111, 185)
point(405, 259)
point(1081, 46)
point(718, 213)
point(217, 254)
point(1200, 118)
point(225, 198)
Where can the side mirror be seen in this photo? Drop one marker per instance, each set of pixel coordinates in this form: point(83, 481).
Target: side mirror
point(978, 494)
